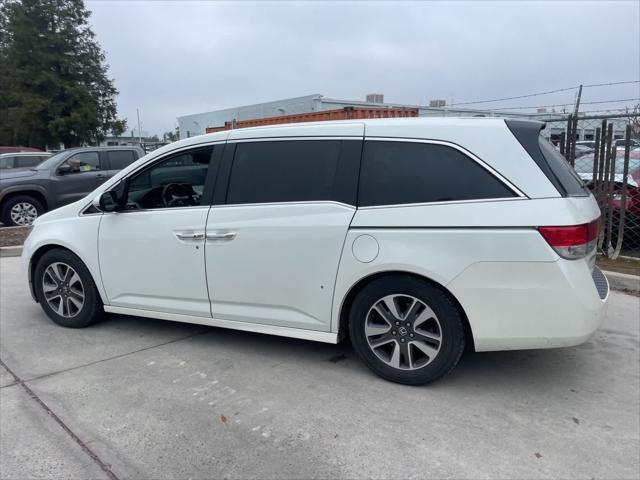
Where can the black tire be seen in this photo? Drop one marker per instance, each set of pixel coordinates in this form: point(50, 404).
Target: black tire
point(92, 308)
point(5, 213)
point(449, 325)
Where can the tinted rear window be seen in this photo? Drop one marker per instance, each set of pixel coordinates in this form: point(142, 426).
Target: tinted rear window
point(544, 154)
point(287, 171)
point(28, 161)
point(566, 175)
point(410, 172)
point(119, 159)
point(7, 162)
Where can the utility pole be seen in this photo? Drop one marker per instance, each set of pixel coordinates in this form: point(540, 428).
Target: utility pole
point(140, 131)
point(575, 112)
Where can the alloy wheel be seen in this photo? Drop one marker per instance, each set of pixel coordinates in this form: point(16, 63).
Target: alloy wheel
point(403, 332)
point(23, 213)
point(63, 289)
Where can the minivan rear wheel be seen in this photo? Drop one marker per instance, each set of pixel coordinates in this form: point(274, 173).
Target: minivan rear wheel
point(406, 330)
point(65, 289)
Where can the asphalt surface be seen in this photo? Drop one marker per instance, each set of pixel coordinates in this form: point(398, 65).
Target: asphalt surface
point(139, 398)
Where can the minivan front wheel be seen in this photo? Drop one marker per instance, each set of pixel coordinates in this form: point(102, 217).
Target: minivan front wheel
point(65, 289)
point(21, 210)
point(406, 330)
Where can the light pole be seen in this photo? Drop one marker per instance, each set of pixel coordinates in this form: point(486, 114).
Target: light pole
point(139, 131)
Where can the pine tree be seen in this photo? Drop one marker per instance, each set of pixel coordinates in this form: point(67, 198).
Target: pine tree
point(54, 86)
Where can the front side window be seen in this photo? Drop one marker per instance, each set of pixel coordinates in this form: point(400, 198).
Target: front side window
point(395, 173)
point(177, 181)
point(284, 171)
point(119, 159)
point(81, 163)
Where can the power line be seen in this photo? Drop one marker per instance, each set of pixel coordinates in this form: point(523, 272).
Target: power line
point(547, 92)
point(566, 104)
point(619, 113)
point(515, 98)
point(563, 115)
point(610, 83)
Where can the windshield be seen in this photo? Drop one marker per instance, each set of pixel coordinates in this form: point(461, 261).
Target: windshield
point(51, 161)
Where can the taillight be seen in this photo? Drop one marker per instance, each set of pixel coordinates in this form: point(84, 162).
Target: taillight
point(572, 242)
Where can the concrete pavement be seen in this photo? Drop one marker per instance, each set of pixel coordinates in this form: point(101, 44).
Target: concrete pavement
point(139, 398)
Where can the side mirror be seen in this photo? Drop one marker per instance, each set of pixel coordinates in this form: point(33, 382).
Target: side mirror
point(64, 169)
point(107, 202)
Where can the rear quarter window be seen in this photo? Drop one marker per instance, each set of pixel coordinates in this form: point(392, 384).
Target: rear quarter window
point(7, 162)
point(119, 159)
point(550, 161)
point(571, 183)
point(395, 173)
point(28, 161)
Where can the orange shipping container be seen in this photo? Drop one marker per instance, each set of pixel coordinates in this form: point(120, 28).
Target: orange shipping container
point(347, 113)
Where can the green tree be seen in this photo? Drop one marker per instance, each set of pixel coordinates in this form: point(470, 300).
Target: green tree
point(118, 127)
point(171, 136)
point(53, 76)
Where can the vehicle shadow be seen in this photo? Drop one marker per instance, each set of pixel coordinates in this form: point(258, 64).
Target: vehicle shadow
point(506, 369)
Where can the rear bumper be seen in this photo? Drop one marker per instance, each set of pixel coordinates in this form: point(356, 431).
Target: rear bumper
point(525, 305)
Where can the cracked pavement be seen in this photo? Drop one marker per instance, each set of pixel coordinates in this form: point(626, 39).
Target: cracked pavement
point(141, 398)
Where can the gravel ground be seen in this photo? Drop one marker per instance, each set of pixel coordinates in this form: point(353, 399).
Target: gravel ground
point(10, 236)
point(630, 266)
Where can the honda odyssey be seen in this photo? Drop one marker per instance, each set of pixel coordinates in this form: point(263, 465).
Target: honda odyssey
point(413, 237)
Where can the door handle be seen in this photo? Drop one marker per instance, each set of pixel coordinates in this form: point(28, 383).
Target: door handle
point(189, 235)
point(221, 236)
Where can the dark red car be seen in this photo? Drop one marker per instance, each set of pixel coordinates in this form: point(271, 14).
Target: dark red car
point(4, 149)
point(584, 168)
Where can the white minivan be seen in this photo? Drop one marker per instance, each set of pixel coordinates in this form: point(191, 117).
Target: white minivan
point(412, 237)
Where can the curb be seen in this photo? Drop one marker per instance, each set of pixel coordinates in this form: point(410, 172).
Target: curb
point(14, 251)
point(623, 281)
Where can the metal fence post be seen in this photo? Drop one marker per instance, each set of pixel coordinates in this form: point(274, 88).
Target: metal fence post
point(596, 159)
point(610, 183)
point(567, 147)
point(605, 187)
point(603, 134)
point(623, 196)
point(574, 139)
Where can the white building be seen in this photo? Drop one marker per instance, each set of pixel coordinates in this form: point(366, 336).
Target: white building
point(196, 124)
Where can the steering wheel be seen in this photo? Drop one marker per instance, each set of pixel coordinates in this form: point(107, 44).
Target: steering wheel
point(178, 195)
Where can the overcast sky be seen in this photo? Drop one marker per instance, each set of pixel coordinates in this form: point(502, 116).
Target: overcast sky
point(177, 58)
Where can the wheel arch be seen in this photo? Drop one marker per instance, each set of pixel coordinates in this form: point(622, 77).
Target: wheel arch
point(39, 253)
point(37, 193)
point(347, 302)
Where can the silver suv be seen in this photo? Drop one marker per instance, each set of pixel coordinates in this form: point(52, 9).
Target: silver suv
point(61, 179)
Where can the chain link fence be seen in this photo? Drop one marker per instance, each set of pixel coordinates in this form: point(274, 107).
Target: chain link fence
point(605, 153)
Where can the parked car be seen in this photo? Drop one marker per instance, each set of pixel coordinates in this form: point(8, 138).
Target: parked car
point(413, 237)
point(586, 144)
point(61, 179)
point(634, 143)
point(22, 159)
point(583, 150)
point(5, 149)
point(584, 167)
